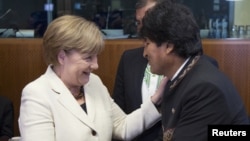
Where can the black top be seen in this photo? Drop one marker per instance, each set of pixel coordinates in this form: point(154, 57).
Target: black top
point(84, 107)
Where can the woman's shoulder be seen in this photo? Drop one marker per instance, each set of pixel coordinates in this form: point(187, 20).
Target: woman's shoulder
point(35, 87)
point(35, 83)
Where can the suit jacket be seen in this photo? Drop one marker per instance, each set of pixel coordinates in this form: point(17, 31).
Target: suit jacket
point(204, 96)
point(49, 112)
point(128, 84)
point(6, 117)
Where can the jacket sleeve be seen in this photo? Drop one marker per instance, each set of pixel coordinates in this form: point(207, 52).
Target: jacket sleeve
point(118, 91)
point(35, 120)
point(127, 127)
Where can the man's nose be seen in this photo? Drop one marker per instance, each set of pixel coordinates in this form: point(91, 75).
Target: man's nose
point(145, 55)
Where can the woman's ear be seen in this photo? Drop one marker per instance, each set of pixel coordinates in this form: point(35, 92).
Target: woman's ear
point(61, 56)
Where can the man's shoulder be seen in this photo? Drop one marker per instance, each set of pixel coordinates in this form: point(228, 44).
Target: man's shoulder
point(211, 60)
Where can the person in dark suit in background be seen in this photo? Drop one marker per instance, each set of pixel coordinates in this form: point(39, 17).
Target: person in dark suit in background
point(38, 22)
point(6, 119)
point(134, 82)
point(198, 93)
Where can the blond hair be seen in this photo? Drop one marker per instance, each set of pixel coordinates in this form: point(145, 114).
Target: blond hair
point(70, 32)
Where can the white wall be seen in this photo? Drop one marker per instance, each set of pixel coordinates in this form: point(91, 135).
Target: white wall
point(242, 12)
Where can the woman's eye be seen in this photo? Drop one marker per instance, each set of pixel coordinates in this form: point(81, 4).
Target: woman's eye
point(88, 58)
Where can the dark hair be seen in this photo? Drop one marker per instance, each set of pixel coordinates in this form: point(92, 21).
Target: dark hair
point(173, 23)
point(142, 3)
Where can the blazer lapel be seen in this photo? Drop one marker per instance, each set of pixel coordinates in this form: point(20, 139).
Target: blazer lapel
point(75, 109)
point(91, 105)
point(66, 99)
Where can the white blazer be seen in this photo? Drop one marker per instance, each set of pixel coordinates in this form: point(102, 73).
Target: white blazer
point(49, 112)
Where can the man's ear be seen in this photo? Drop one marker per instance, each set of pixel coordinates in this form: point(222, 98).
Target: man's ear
point(169, 47)
point(61, 56)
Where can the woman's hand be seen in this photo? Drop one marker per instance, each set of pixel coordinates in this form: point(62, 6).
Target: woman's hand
point(157, 97)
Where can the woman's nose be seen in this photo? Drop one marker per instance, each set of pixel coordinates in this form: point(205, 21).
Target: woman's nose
point(94, 65)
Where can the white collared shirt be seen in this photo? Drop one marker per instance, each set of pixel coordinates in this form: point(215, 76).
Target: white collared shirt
point(151, 81)
point(149, 84)
point(180, 68)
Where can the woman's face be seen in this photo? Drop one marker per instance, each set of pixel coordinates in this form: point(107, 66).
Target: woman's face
point(75, 68)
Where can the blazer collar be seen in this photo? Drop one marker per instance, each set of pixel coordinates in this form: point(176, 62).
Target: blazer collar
point(66, 99)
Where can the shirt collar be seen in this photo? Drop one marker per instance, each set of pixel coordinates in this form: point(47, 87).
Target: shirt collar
point(180, 68)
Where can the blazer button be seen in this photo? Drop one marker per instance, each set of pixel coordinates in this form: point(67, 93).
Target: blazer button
point(93, 132)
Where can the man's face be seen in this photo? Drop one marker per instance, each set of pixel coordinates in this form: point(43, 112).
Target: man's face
point(140, 13)
point(156, 56)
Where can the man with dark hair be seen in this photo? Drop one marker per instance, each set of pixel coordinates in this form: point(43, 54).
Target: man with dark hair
point(198, 93)
point(134, 81)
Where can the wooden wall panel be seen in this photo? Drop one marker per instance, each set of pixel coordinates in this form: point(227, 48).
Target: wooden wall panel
point(21, 61)
point(233, 57)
